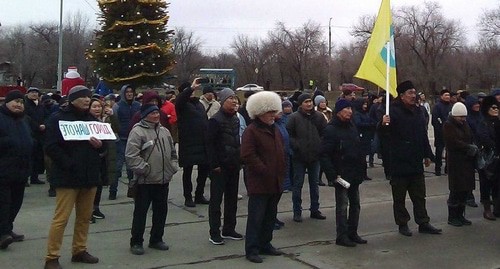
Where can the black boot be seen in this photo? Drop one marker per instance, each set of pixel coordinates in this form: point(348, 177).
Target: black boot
point(461, 215)
point(453, 216)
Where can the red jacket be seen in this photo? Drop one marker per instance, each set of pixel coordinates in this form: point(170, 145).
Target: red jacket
point(168, 109)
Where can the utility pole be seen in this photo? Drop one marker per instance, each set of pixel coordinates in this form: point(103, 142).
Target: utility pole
point(329, 54)
point(59, 55)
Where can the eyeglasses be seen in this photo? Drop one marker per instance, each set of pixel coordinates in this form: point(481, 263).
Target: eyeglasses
point(493, 107)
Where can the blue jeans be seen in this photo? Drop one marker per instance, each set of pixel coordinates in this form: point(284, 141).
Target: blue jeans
point(347, 224)
point(299, 171)
point(262, 210)
point(120, 161)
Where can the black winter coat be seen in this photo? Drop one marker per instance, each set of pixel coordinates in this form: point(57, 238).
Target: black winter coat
point(305, 131)
point(458, 138)
point(16, 146)
point(342, 153)
point(192, 123)
point(406, 140)
point(75, 164)
point(224, 140)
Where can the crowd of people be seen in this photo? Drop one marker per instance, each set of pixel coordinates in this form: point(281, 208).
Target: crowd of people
point(273, 139)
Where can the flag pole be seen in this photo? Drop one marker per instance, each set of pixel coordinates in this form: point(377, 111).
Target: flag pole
point(387, 82)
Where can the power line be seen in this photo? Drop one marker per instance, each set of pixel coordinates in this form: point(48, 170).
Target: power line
point(92, 7)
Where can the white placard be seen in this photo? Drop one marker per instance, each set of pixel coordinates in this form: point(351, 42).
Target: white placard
point(84, 130)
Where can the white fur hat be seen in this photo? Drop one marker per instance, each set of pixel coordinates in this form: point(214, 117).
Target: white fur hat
point(262, 102)
point(459, 110)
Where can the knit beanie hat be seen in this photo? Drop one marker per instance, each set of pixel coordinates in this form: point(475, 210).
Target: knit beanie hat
point(207, 89)
point(302, 98)
point(459, 110)
point(13, 95)
point(148, 96)
point(33, 89)
point(318, 99)
point(286, 103)
point(341, 104)
point(78, 91)
point(146, 109)
point(224, 94)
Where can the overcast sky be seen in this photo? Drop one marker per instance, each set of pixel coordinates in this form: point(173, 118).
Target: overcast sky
point(217, 22)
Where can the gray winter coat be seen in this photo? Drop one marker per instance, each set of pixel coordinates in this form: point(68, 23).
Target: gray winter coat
point(151, 154)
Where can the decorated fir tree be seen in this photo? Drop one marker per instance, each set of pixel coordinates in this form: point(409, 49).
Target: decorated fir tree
point(133, 43)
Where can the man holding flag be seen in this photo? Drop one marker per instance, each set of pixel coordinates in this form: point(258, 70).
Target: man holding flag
point(405, 129)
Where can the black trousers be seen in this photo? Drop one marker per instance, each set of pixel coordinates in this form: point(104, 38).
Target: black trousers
point(415, 187)
point(157, 195)
point(187, 185)
point(262, 210)
point(457, 198)
point(11, 199)
point(223, 185)
point(439, 157)
point(347, 200)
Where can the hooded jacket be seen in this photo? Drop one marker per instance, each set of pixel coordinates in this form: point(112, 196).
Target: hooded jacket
point(124, 111)
point(151, 154)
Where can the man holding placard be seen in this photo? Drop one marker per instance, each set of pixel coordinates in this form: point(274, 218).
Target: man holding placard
point(75, 177)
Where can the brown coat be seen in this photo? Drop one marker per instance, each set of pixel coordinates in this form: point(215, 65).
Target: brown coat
point(457, 138)
point(263, 154)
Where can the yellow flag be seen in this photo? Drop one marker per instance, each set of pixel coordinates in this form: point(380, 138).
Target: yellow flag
point(374, 65)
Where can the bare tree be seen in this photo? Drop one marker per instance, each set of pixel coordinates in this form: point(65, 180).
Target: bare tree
point(489, 24)
point(186, 47)
point(430, 37)
point(297, 48)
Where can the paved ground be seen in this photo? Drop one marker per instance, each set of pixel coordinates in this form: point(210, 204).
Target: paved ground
point(308, 245)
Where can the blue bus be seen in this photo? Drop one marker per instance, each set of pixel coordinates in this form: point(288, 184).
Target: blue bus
point(219, 78)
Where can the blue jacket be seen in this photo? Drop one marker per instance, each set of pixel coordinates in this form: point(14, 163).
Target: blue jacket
point(15, 146)
point(124, 111)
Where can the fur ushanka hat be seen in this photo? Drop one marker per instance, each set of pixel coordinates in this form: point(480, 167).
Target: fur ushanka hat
point(262, 102)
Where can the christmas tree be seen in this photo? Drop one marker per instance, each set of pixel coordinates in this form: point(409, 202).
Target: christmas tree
point(133, 45)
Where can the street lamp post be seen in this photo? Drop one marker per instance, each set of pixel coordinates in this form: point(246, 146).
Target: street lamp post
point(59, 54)
point(329, 53)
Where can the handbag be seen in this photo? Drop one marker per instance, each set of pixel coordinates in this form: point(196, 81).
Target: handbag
point(485, 158)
